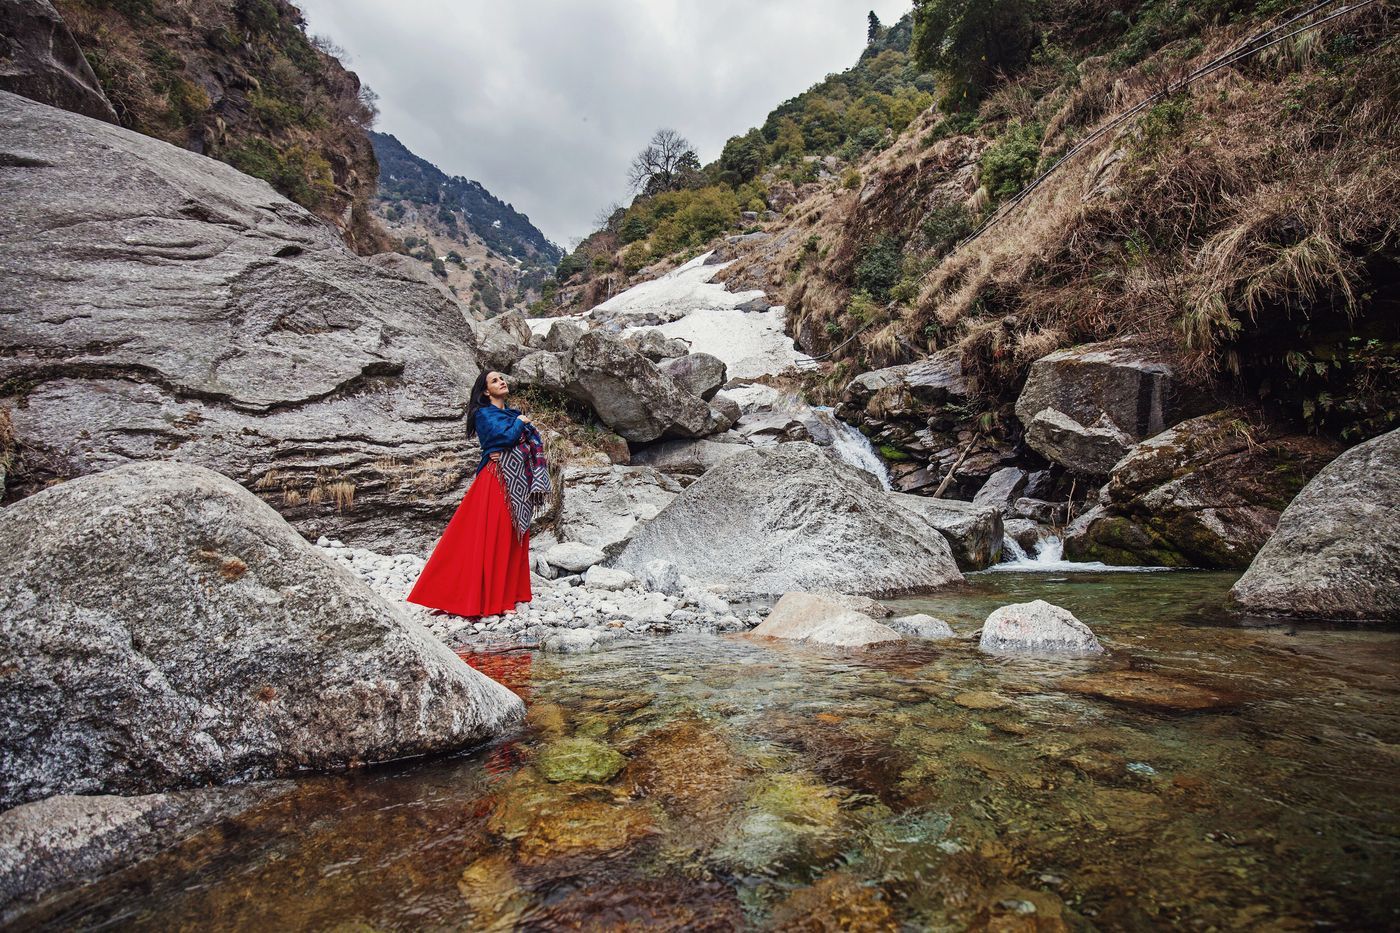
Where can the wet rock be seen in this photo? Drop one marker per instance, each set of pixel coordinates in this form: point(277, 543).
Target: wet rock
point(1336, 552)
point(573, 556)
point(579, 759)
point(605, 578)
point(1089, 450)
point(571, 641)
point(43, 62)
point(1118, 381)
point(237, 332)
point(698, 373)
point(789, 518)
point(981, 700)
point(604, 506)
point(630, 395)
point(648, 904)
point(220, 645)
point(1039, 629)
point(812, 618)
point(1206, 493)
point(494, 898)
point(585, 827)
point(838, 901)
point(920, 625)
point(862, 604)
point(1001, 488)
point(788, 818)
point(974, 531)
point(1026, 532)
point(1151, 691)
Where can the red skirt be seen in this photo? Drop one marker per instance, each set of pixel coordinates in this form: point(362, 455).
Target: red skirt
point(477, 568)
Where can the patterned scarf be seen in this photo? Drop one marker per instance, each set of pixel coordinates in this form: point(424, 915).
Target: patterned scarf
point(525, 478)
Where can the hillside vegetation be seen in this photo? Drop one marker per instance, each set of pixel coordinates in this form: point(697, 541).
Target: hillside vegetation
point(242, 82)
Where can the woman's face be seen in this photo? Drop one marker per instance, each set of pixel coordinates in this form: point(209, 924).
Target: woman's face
point(496, 386)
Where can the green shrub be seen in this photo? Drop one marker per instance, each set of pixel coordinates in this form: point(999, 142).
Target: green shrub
point(1010, 162)
point(944, 226)
point(878, 268)
point(850, 180)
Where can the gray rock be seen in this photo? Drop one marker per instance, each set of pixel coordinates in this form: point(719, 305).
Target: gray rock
point(1038, 510)
point(66, 840)
point(661, 576)
point(890, 392)
point(563, 336)
point(161, 305)
point(219, 645)
point(504, 341)
point(923, 626)
point(974, 531)
point(630, 395)
point(40, 60)
point(1115, 379)
point(603, 506)
point(571, 641)
point(1001, 488)
point(573, 556)
point(605, 578)
point(698, 373)
point(412, 270)
point(1336, 552)
point(789, 518)
point(542, 369)
point(656, 346)
point(1088, 451)
point(691, 457)
point(862, 604)
point(809, 617)
point(1026, 532)
point(1038, 629)
point(728, 407)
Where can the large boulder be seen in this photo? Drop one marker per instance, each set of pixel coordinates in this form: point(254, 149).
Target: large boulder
point(698, 373)
point(1037, 629)
point(1090, 450)
point(161, 305)
point(1001, 488)
point(909, 389)
point(812, 617)
point(1336, 551)
point(164, 628)
point(541, 369)
point(974, 531)
point(630, 395)
point(603, 506)
point(656, 346)
point(1207, 493)
point(789, 518)
point(691, 457)
point(1116, 378)
point(563, 335)
point(504, 341)
point(39, 59)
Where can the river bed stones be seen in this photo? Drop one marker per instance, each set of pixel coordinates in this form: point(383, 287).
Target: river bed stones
point(218, 645)
point(1336, 552)
point(1037, 629)
point(921, 625)
point(579, 759)
point(810, 617)
point(1149, 690)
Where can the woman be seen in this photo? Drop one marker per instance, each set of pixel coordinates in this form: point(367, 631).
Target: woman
point(481, 566)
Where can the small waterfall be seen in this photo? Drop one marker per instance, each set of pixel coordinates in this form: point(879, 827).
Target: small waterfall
point(1049, 557)
point(854, 447)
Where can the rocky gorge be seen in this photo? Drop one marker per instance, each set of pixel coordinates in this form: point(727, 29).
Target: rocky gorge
point(784, 662)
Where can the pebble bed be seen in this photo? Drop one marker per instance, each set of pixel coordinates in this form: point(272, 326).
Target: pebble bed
point(570, 614)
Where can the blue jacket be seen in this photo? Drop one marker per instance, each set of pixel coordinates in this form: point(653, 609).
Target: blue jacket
point(498, 429)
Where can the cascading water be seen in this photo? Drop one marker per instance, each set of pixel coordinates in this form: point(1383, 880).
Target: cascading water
point(854, 447)
point(1049, 557)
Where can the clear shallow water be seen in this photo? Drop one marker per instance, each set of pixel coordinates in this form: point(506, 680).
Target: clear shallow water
point(919, 786)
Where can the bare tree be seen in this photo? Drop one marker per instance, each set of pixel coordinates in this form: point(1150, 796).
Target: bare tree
point(660, 165)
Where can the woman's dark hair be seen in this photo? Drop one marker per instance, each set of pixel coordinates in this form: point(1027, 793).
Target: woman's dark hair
point(478, 399)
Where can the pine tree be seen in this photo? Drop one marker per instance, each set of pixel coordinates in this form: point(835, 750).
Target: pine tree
point(872, 32)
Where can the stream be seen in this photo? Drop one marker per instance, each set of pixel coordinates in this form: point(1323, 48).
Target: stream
point(722, 783)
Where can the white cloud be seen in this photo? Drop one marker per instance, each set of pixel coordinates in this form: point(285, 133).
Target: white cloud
point(546, 101)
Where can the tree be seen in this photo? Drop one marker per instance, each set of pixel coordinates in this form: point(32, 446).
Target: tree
point(872, 31)
point(662, 165)
point(973, 43)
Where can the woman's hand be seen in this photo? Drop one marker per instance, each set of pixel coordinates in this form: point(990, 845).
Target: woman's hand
point(524, 418)
point(496, 456)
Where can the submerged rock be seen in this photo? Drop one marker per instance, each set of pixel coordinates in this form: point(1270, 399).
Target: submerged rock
point(579, 759)
point(789, 817)
point(217, 643)
point(1039, 629)
point(1336, 553)
point(810, 617)
point(920, 625)
point(788, 518)
point(1151, 691)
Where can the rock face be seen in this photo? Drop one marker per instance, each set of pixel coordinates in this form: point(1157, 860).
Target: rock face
point(1097, 391)
point(603, 506)
point(1039, 629)
point(768, 521)
point(159, 304)
point(974, 531)
point(698, 373)
point(686, 456)
point(40, 60)
point(810, 617)
point(504, 341)
point(539, 368)
point(1207, 493)
point(166, 629)
point(1001, 488)
point(1336, 552)
point(632, 396)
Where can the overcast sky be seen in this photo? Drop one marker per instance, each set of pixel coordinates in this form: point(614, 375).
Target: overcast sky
point(545, 102)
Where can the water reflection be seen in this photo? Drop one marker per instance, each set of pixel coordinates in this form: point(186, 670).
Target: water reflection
point(712, 783)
